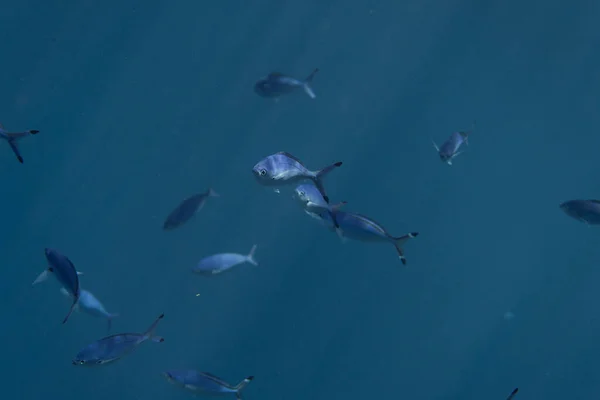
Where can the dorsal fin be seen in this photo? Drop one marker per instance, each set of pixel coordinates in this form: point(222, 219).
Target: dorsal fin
point(293, 157)
point(215, 378)
point(275, 75)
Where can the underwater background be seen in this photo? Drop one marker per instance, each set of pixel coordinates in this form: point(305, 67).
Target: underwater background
point(143, 103)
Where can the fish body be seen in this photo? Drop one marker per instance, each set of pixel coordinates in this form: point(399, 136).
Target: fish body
point(312, 201)
point(277, 84)
point(205, 383)
point(218, 263)
point(13, 137)
point(64, 271)
point(450, 148)
point(586, 211)
point(187, 209)
point(283, 168)
point(89, 304)
point(115, 347)
point(364, 229)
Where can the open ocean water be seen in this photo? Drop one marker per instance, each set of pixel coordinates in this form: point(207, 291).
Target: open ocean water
point(143, 103)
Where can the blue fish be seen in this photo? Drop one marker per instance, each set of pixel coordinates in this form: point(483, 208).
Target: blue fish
point(282, 168)
point(513, 393)
point(91, 305)
point(187, 209)
point(358, 227)
point(205, 383)
point(218, 263)
point(450, 148)
point(587, 211)
point(13, 137)
point(312, 201)
point(115, 347)
point(63, 269)
point(276, 84)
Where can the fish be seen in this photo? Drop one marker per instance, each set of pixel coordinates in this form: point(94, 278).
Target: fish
point(450, 148)
point(277, 84)
point(63, 269)
point(13, 137)
point(586, 211)
point(512, 394)
point(187, 209)
point(205, 383)
point(282, 168)
point(91, 305)
point(311, 200)
point(361, 228)
point(218, 263)
point(113, 348)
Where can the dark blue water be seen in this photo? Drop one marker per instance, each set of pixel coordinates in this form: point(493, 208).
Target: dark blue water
point(141, 104)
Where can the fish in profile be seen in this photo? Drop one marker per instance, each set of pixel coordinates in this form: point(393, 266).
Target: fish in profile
point(63, 269)
point(282, 168)
point(205, 383)
point(115, 347)
point(312, 201)
point(187, 209)
point(586, 211)
point(276, 84)
point(218, 263)
point(513, 393)
point(13, 137)
point(358, 227)
point(451, 147)
point(91, 305)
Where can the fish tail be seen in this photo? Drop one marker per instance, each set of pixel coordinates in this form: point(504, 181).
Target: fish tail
point(400, 241)
point(250, 256)
point(512, 394)
point(242, 385)
point(109, 319)
point(319, 176)
point(149, 334)
point(71, 310)
point(212, 193)
point(307, 83)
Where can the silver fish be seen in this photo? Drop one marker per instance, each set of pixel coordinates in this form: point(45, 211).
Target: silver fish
point(586, 211)
point(64, 271)
point(115, 347)
point(218, 263)
point(513, 393)
point(187, 209)
point(312, 201)
point(91, 305)
point(205, 383)
point(282, 168)
point(277, 84)
point(13, 137)
point(450, 148)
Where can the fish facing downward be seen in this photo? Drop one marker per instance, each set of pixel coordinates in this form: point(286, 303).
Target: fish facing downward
point(586, 211)
point(205, 383)
point(276, 84)
point(187, 209)
point(282, 168)
point(63, 269)
point(91, 305)
point(358, 227)
point(115, 347)
point(13, 137)
point(311, 200)
point(222, 262)
point(450, 148)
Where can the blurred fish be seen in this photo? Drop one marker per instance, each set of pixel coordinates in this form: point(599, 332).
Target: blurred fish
point(276, 84)
point(311, 200)
point(91, 305)
point(187, 209)
point(358, 227)
point(115, 347)
point(66, 274)
point(13, 137)
point(204, 383)
point(587, 211)
point(450, 148)
point(218, 263)
point(512, 394)
point(283, 168)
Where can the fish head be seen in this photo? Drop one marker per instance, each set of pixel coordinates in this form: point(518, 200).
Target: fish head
point(263, 171)
point(302, 194)
point(169, 377)
point(263, 88)
point(571, 208)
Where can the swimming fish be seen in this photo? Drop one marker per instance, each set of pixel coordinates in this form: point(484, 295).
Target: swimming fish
point(358, 227)
point(205, 383)
point(450, 148)
point(587, 211)
point(282, 168)
point(13, 137)
point(187, 209)
point(91, 305)
point(276, 84)
point(311, 200)
point(66, 274)
point(512, 394)
point(115, 347)
point(218, 263)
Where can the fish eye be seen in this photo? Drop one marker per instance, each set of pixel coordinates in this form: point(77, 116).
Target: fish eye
point(263, 172)
point(99, 362)
point(302, 193)
point(81, 362)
